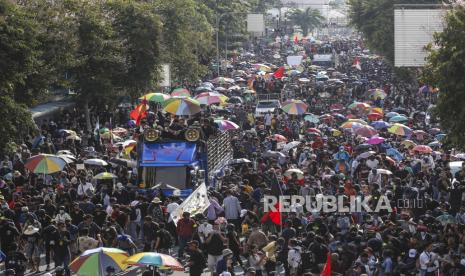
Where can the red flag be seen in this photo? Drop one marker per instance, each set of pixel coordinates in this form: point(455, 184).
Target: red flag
point(279, 73)
point(275, 216)
point(327, 268)
point(357, 63)
point(296, 40)
point(140, 112)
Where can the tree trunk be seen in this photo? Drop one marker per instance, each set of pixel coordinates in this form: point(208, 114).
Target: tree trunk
point(87, 114)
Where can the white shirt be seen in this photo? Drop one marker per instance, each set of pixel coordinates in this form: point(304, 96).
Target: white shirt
point(170, 208)
point(82, 188)
point(425, 258)
point(205, 229)
point(372, 164)
point(293, 257)
point(268, 118)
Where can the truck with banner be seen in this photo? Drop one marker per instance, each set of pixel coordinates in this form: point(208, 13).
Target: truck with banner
point(181, 164)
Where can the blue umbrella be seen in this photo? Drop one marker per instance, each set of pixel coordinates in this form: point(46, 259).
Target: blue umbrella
point(380, 124)
point(398, 118)
point(440, 136)
point(392, 114)
point(392, 152)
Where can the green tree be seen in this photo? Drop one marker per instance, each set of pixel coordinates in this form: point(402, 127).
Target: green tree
point(445, 69)
point(16, 122)
point(307, 19)
point(139, 31)
point(99, 66)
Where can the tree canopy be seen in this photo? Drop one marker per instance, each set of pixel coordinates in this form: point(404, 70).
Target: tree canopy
point(307, 19)
point(445, 69)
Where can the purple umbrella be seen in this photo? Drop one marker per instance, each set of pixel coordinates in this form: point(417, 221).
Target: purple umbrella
point(375, 140)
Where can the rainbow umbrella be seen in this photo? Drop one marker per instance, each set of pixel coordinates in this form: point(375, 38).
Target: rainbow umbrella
point(351, 125)
point(294, 107)
point(180, 92)
point(360, 121)
point(366, 131)
point(376, 93)
point(105, 175)
point(95, 261)
point(154, 259)
point(45, 164)
point(156, 97)
point(400, 129)
point(209, 98)
point(222, 80)
point(182, 106)
point(359, 106)
point(262, 67)
point(225, 125)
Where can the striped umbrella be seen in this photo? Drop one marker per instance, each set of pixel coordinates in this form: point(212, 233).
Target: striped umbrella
point(182, 106)
point(225, 125)
point(209, 98)
point(294, 107)
point(45, 164)
point(154, 259)
point(351, 125)
point(95, 261)
point(105, 175)
point(400, 129)
point(376, 93)
point(359, 106)
point(180, 92)
point(156, 97)
point(366, 131)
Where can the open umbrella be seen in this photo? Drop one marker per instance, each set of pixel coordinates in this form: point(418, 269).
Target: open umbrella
point(384, 171)
point(400, 129)
point(398, 118)
point(380, 124)
point(294, 107)
point(351, 125)
point(154, 259)
point(105, 175)
point(313, 130)
point(273, 154)
point(209, 98)
point(434, 130)
point(95, 162)
point(422, 149)
point(262, 67)
point(408, 143)
point(222, 80)
point(290, 172)
point(203, 89)
point(312, 118)
point(360, 121)
point(182, 106)
point(440, 136)
point(366, 154)
point(359, 106)
point(180, 92)
point(278, 137)
point(374, 116)
point(376, 140)
point(290, 146)
point(225, 125)
point(95, 261)
point(365, 131)
point(45, 164)
point(155, 97)
point(376, 93)
point(392, 114)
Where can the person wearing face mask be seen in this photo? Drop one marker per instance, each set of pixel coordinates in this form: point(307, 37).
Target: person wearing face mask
point(62, 216)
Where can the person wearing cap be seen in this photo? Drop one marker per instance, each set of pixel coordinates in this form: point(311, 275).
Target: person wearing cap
point(156, 211)
point(197, 261)
point(225, 264)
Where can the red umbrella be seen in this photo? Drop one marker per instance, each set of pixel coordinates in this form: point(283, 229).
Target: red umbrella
point(278, 137)
point(336, 107)
point(375, 116)
point(366, 131)
point(422, 149)
point(314, 130)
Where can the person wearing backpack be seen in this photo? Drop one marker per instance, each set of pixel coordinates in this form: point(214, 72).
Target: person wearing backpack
point(163, 240)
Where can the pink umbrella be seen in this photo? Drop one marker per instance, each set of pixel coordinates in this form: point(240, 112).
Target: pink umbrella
point(422, 149)
point(366, 131)
point(279, 138)
point(376, 140)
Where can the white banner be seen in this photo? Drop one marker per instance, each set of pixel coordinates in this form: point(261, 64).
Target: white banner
point(255, 23)
point(196, 203)
point(294, 60)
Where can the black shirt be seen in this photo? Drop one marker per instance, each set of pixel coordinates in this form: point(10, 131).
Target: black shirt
point(198, 262)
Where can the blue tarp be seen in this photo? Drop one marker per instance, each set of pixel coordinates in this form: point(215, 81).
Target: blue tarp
point(172, 154)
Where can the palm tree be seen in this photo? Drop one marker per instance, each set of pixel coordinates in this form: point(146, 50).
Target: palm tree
point(307, 19)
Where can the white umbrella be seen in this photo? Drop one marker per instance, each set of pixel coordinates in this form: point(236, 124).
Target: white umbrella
point(95, 162)
point(290, 146)
point(275, 154)
point(383, 171)
point(65, 152)
point(68, 158)
point(366, 154)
